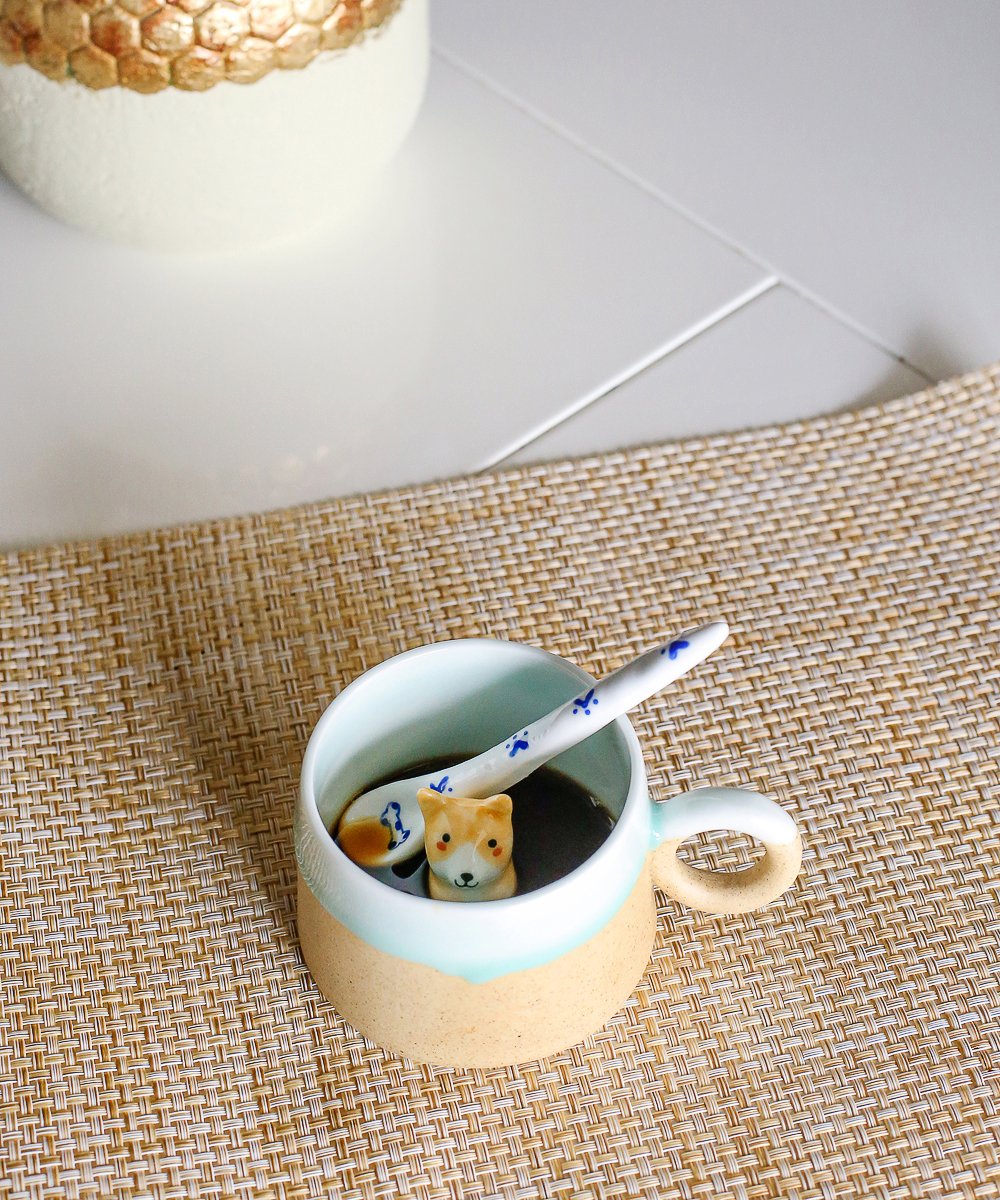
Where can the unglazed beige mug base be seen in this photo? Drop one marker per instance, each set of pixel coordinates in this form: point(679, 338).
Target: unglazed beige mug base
point(424, 1015)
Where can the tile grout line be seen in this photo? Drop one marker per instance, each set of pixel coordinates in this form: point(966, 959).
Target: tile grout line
point(611, 164)
point(723, 313)
point(841, 318)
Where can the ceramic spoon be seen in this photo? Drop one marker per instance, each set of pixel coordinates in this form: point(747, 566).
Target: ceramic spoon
point(393, 806)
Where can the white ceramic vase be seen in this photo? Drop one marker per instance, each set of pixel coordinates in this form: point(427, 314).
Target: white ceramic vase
point(201, 125)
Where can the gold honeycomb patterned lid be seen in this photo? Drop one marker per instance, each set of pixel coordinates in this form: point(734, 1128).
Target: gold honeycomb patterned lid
point(149, 45)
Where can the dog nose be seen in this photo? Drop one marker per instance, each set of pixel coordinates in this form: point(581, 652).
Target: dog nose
point(466, 876)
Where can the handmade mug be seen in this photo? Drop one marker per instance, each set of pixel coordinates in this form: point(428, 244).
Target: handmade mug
point(503, 981)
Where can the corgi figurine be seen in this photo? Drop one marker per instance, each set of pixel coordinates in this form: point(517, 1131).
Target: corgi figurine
point(468, 844)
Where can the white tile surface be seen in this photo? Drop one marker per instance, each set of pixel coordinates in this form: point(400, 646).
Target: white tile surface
point(853, 147)
point(498, 278)
point(777, 359)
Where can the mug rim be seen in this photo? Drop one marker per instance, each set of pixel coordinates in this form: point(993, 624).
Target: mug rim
point(635, 791)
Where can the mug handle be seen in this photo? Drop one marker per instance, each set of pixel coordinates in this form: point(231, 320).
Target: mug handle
point(725, 892)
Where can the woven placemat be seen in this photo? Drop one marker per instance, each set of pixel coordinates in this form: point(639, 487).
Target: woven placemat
point(159, 1035)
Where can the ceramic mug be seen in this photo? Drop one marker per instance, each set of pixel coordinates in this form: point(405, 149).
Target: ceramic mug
point(503, 981)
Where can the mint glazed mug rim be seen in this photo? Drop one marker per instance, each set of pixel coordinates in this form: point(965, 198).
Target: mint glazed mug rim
point(466, 924)
point(411, 703)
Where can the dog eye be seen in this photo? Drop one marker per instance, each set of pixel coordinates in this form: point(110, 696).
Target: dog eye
point(445, 837)
point(492, 843)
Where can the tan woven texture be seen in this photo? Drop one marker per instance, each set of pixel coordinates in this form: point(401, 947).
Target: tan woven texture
point(159, 1035)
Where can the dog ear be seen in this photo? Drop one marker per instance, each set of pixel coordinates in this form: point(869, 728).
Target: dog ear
point(430, 802)
point(499, 806)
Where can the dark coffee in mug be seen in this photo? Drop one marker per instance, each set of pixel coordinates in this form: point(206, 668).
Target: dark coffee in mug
point(557, 823)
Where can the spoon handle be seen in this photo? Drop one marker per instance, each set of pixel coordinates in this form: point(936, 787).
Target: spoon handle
point(591, 709)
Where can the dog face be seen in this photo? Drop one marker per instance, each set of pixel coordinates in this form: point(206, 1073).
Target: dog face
point(468, 842)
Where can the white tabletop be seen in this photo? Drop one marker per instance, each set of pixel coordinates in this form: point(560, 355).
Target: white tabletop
point(702, 217)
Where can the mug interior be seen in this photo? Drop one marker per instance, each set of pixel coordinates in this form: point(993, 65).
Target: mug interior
point(454, 700)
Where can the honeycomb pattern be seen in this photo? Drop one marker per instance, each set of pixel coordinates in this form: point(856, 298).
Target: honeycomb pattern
point(149, 45)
